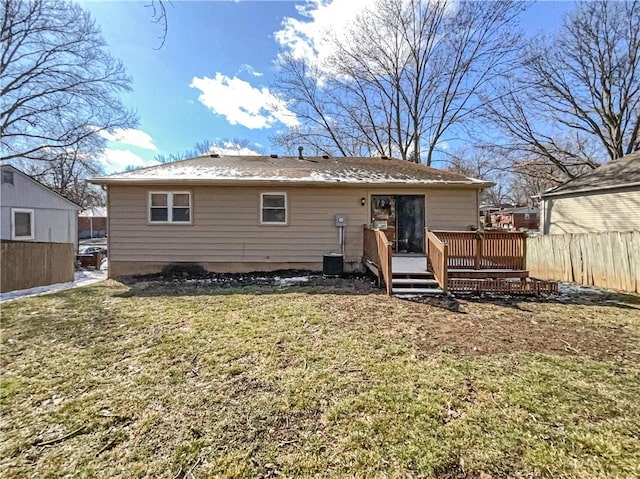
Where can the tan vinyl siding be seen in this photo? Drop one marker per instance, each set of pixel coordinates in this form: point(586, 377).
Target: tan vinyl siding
point(452, 209)
point(226, 224)
point(598, 211)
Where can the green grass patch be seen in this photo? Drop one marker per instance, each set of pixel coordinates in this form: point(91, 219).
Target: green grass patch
point(313, 382)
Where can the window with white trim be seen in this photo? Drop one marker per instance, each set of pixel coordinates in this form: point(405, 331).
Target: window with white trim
point(170, 207)
point(273, 208)
point(22, 225)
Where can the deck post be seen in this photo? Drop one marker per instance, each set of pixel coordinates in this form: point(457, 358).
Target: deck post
point(445, 271)
point(426, 249)
point(477, 261)
point(389, 278)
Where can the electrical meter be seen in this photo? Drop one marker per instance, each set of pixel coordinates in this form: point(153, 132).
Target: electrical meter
point(341, 220)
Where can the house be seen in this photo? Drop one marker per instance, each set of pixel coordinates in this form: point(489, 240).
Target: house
point(604, 199)
point(516, 218)
point(39, 233)
point(262, 213)
point(92, 223)
point(31, 211)
point(486, 210)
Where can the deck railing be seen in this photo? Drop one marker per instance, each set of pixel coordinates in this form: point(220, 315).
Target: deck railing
point(485, 250)
point(438, 257)
point(378, 249)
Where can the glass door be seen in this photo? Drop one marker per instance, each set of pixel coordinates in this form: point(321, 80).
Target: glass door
point(410, 223)
point(401, 217)
point(383, 215)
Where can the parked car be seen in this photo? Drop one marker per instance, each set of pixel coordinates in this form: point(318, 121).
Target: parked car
point(94, 249)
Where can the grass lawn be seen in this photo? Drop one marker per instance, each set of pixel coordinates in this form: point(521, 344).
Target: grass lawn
point(184, 381)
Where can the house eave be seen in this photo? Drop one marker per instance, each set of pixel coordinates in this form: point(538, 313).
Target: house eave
point(106, 181)
point(589, 190)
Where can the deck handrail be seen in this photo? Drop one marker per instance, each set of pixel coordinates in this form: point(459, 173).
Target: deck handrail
point(485, 250)
point(378, 250)
point(437, 252)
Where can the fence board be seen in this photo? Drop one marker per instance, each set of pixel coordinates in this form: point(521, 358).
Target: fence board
point(26, 264)
point(608, 260)
point(634, 258)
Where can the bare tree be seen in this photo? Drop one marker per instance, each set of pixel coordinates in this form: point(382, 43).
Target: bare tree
point(516, 183)
point(159, 17)
point(576, 99)
point(59, 84)
point(414, 80)
point(65, 171)
point(235, 146)
point(481, 164)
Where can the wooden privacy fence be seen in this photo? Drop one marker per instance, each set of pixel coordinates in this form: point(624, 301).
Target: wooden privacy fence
point(485, 250)
point(25, 264)
point(378, 250)
point(608, 260)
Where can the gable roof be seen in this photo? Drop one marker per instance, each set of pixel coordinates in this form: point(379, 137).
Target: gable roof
point(94, 212)
point(41, 185)
point(620, 173)
point(517, 209)
point(248, 170)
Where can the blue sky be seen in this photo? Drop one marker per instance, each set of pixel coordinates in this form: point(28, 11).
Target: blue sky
point(211, 78)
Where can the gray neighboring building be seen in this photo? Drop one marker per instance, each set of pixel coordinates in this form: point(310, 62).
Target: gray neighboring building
point(605, 199)
point(30, 211)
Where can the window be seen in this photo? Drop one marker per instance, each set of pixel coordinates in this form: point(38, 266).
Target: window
point(22, 224)
point(169, 207)
point(273, 208)
point(7, 176)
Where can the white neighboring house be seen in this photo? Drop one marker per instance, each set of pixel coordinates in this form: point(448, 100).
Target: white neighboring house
point(30, 211)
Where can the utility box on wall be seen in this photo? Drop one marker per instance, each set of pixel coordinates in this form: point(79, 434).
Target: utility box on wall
point(341, 220)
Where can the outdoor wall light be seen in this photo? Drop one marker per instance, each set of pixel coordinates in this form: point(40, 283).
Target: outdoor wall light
point(363, 201)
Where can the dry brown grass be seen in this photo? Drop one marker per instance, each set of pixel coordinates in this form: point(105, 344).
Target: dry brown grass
point(184, 380)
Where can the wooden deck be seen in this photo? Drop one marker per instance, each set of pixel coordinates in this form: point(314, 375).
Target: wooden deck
point(456, 261)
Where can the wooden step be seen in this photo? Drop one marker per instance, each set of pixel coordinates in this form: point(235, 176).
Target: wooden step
point(408, 274)
point(400, 292)
point(415, 281)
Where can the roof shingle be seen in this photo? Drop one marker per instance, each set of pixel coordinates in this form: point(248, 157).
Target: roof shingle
point(619, 173)
point(291, 169)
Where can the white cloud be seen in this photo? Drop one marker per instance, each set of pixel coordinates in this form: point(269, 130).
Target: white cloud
point(245, 67)
point(241, 103)
point(312, 39)
point(117, 160)
point(130, 136)
point(230, 148)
